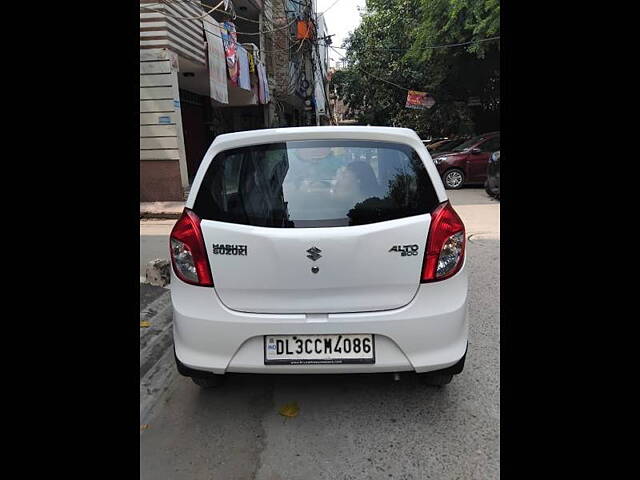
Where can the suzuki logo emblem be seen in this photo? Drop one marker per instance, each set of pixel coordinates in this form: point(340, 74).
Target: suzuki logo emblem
point(314, 253)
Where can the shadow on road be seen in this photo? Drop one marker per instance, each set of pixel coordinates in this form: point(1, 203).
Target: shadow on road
point(313, 380)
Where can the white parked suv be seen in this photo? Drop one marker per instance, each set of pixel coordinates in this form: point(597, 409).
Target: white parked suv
point(319, 250)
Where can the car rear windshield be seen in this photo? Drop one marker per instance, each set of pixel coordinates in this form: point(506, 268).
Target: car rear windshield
point(320, 183)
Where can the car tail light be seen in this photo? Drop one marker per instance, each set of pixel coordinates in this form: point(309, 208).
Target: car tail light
point(188, 253)
point(444, 254)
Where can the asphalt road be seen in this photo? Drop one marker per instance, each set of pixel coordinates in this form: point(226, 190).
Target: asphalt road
point(348, 427)
point(149, 293)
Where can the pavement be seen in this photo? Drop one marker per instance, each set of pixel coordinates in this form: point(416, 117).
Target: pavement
point(348, 426)
point(154, 241)
point(479, 212)
point(167, 210)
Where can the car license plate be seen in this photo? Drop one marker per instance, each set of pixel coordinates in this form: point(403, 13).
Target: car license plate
point(318, 349)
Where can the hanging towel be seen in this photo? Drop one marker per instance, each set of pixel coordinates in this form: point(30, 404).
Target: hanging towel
point(217, 64)
point(265, 84)
point(243, 63)
point(255, 88)
point(261, 83)
point(230, 42)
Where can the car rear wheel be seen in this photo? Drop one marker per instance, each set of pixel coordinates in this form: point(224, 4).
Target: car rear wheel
point(453, 179)
point(488, 189)
point(437, 379)
point(208, 382)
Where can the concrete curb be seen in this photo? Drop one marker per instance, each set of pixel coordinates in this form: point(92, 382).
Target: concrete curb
point(167, 210)
point(161, 215)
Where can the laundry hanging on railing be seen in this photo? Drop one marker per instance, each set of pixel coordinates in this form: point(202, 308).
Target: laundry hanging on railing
point(263, 90)
point(217, 65)
point(254, 55)
point(243, 64)
point(255, 88)
point(230, 41)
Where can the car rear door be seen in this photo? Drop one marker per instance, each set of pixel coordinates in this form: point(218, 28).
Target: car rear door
point(317, 270)
point(338, 232)
point(477, 162)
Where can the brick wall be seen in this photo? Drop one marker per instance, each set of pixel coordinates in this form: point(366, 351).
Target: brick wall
point(280, 40)
point(160, 181)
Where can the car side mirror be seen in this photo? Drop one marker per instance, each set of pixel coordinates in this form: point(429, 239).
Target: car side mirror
point(476, 150)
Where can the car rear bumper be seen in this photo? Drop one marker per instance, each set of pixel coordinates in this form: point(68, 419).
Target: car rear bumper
point(430, 333)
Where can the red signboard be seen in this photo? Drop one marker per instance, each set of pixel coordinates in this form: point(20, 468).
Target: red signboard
point(419, 100)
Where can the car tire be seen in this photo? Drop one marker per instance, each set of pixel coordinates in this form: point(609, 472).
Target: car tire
point(437, 379)
point(212, 381)
point(487, 189)
point(453, 179)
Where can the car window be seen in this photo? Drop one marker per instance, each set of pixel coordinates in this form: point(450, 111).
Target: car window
point(447, 145)
point(468, 144)
point(315, 184)
point(491, 145)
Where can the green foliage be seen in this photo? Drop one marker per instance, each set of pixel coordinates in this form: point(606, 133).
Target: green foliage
point(390, 45)
point(456, 21)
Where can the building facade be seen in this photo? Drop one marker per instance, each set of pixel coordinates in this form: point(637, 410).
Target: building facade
point(185, 103)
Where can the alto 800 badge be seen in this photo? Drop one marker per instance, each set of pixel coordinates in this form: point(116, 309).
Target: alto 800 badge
point(405, 250)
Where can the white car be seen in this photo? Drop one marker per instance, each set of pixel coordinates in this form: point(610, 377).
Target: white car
point(319, 250)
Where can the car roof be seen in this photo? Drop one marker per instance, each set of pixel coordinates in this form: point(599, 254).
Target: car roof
point(350, 132)
point(482, 136)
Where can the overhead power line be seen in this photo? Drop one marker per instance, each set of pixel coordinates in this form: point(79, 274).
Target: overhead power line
point(232, 14)
point(372, 75)
point(261, 50)
point(260, 32)
point(320, 14)
point(429, 46)
point(167, 2)
point(342, 57)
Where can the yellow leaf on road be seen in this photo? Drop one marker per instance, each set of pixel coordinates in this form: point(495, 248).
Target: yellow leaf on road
point(144, 426)
point(145, 324)
point(290, 410)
